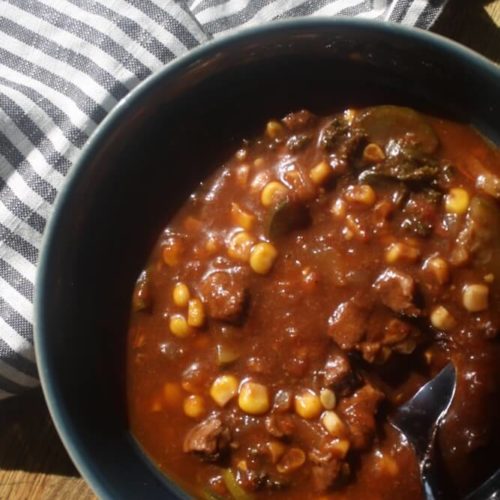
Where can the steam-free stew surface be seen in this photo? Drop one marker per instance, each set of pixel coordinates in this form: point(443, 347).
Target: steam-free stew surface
point(324, 273)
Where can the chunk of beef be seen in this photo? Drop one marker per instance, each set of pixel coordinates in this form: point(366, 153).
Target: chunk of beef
point(396, 290)
point(336, 132)
point(479, 229)
point(347, 324)
point(279, 425)
point(387, 334)
point(324, 475)
point(225, 293)
point(420, 212)
point(398, 332)
point(358, 412)
point(337, 370)
point(342, 141)
point(210, 439)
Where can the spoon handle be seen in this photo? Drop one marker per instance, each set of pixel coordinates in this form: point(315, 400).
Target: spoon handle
point(489, 490)
point(430, 479)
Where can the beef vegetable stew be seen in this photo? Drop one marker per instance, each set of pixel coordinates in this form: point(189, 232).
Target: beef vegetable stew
point(322, 275)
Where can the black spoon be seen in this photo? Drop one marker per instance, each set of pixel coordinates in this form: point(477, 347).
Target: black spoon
point(419, 419)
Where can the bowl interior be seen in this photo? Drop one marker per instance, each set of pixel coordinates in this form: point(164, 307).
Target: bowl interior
point(151, 154)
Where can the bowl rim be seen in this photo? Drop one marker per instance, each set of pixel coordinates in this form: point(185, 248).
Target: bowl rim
point(61, 419)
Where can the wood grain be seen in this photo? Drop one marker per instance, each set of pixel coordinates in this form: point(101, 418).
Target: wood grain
point(33, 462)
point(474, 23)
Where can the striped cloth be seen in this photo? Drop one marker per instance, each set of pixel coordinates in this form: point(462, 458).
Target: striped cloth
point(64, 66)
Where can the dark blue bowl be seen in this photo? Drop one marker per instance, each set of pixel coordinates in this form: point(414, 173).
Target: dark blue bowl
point(151, 152)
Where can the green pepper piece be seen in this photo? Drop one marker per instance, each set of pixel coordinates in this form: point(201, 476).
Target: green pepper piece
point(287, 216)
point(383, 123)
point(234, 488)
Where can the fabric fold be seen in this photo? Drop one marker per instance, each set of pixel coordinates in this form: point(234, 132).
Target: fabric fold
point(64, 66)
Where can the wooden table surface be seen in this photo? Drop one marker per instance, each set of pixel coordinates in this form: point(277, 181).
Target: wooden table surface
point(33, 462)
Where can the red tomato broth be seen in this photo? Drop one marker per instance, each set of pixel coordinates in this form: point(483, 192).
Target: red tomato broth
point(289, 320)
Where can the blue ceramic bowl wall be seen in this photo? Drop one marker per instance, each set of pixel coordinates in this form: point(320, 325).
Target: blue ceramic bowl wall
point(153, 150)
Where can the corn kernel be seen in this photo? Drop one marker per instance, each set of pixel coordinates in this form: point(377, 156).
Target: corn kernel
point(240, 246)
point(332, 423)
point(362, 193)
point(262, 257)
point(180, 294)
point(441, 319)
point(373, 153)
point(226, 354)
point(308, 404)
point(320, 173)
point(172, 394)
point(259, 162)
point(242, 218)
point(439, 268)
point(274, 129)
point(292, 460)
point(457, 201)
point(353, 228)
point(223, 389)
point(179, 326)
point(172, 252)
point(272, 193)
point(340, 448)
point(328, 399)
point(253, 398)
point(339, 208)
point(196, 313)
point(401, 252)
point(475, 297)
point(194, 406)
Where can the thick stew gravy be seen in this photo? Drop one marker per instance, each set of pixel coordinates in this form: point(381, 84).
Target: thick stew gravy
point(307, 289)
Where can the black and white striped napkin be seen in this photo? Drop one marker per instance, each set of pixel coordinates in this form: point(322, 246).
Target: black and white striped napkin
point(63, 66)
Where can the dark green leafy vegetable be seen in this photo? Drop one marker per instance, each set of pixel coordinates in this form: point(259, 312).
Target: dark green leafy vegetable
point(237, 492)
point(432, 196)
point(417, 226)
point(211, 495)
point(405, 163)
point(287, 216)
point(297, 142)
point(405, 171)
point(337, 130)
point(385, 123)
